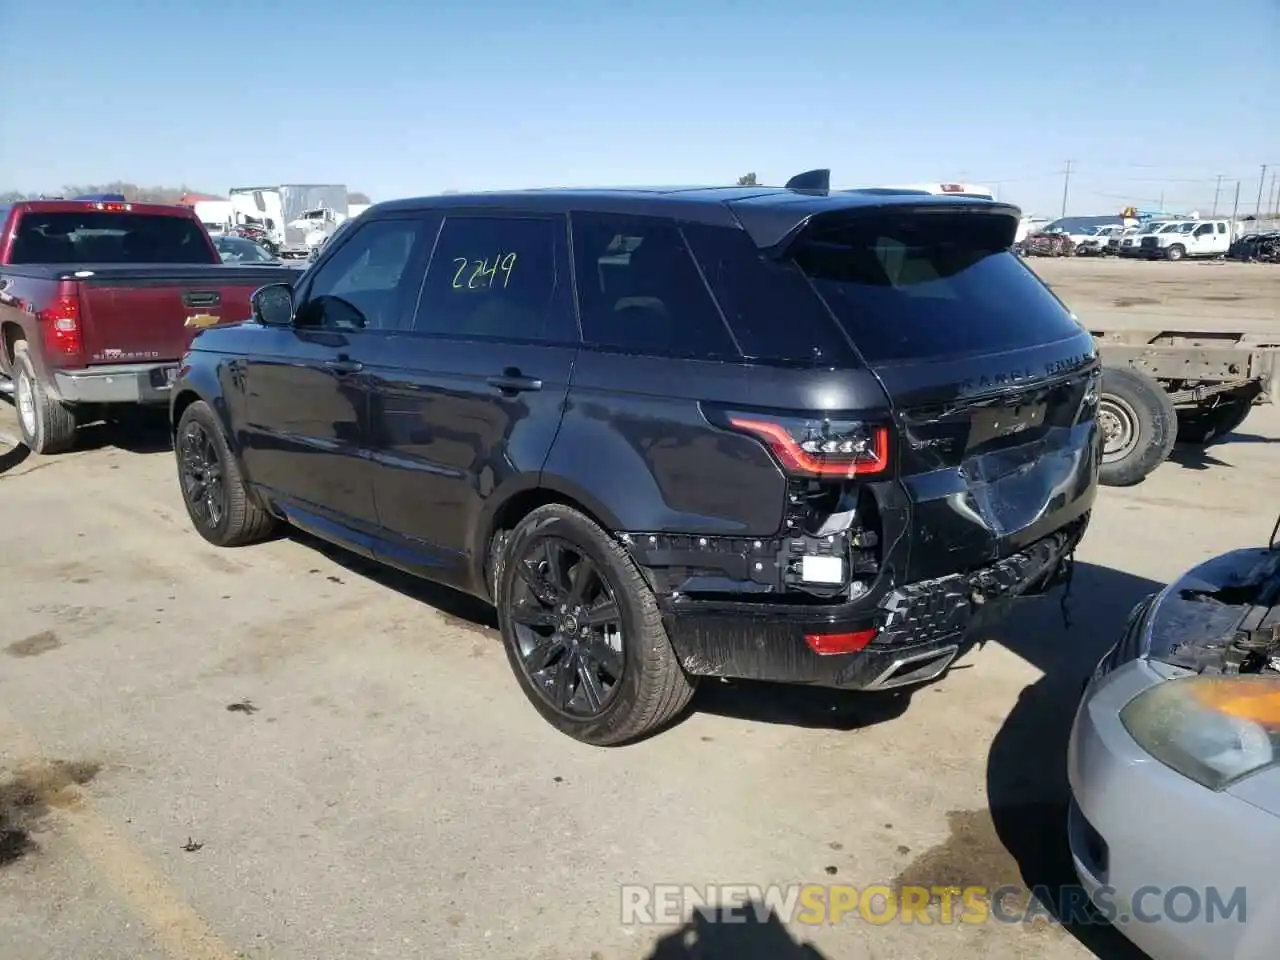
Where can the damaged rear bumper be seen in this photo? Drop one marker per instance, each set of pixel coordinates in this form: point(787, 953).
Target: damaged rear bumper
point(920, 627)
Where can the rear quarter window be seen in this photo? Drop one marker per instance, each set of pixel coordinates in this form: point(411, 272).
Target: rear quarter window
point(770, 306)
point(909, 288)
point(95, 236)
point(640, 291)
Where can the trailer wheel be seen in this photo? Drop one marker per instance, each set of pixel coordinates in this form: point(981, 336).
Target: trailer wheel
point(1138, 424)
point(1205, 427)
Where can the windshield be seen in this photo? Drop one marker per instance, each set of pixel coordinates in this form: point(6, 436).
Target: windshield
point(95, 236)
point(907, 288)
point(237, 250)
point(1186, 227)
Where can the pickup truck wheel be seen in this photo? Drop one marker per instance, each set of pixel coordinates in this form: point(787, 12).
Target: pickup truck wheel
point(1175, 252)
point(1138, 423)
point(1204, 427)
point(218, 502)
point(583, 632)
point(47, 424)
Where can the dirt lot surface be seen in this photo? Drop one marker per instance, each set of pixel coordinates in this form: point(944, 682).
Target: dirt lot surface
point(281, 752)
point(1108, 293)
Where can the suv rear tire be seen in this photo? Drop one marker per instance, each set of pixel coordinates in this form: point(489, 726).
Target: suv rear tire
point(218, 501)
point(46, 423)
point(1139, 424)
point(567, 596)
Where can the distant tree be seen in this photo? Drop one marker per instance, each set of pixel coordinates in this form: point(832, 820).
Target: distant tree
point(130, 191)
point(355, 196)
point(748, 180)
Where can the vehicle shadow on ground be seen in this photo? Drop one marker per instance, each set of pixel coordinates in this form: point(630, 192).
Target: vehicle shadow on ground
point(1027, 788)
point(753, 701)
point(747, 933)
point(13, 457)
point(455, 606)
point(141, 431)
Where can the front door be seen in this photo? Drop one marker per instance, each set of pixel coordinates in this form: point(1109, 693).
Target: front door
point(471, 398)
point(307, 392)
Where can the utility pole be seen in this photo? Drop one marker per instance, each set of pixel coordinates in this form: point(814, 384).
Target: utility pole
point(1258, 208)
point(1066, 185)
point(1216, 191)
point(1235, 208)
point(1273, 196)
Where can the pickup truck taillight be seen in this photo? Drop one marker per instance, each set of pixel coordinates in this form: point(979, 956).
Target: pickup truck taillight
point(60, 323)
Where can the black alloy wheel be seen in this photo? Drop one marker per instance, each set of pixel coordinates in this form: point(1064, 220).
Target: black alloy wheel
point(568, 628)
point(202, 476)
point(219, 502)
point(583, 631)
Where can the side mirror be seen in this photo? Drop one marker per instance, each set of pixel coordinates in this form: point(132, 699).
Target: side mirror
point(273, 305)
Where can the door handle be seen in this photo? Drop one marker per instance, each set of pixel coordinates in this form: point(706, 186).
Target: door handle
point(513, 381)
point(343, 366)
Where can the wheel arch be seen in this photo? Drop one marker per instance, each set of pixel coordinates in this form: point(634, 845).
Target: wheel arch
point(519, 497)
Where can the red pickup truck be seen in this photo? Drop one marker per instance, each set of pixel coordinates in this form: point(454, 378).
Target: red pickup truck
point(98, 302)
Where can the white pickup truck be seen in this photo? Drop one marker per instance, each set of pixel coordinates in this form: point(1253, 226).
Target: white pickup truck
point(1190, 238)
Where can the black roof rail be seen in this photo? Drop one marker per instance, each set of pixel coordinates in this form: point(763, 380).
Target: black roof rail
point(817, 181)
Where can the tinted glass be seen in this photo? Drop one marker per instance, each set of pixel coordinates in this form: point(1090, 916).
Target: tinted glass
point(366, 284)
point(912, 287)
point(770, 306)
point(495, 277)
point(95, 236)
point(239, 250)
point(639, 290)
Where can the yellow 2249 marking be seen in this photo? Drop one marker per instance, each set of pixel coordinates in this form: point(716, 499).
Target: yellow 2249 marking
point(483, 276)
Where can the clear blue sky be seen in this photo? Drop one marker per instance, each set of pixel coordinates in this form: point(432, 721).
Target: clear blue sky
point(395, 98)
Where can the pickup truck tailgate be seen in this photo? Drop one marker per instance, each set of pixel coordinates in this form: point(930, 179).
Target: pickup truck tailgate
point(149, 313)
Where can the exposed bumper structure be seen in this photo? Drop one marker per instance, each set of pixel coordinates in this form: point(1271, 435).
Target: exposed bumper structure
point(920, 628)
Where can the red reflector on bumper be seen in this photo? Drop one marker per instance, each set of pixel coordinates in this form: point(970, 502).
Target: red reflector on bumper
point(827, 643)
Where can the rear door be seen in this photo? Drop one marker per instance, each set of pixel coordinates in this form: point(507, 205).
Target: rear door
point(470, 398)
point(991, 379)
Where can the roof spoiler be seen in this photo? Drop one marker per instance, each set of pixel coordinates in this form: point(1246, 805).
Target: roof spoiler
point(816, 181)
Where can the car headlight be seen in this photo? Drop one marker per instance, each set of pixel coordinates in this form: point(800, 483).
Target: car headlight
point(1213, 729)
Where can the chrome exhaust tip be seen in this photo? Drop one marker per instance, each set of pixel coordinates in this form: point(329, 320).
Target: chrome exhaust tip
point(917, 668)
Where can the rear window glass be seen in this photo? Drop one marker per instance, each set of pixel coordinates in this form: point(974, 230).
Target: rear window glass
point(99, 237)
point(924, 286)
point(770, 306)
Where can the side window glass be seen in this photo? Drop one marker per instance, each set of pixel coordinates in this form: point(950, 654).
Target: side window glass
point(770, 306)
point(1222, 228)
point(363, 285)
point(495, 277)
point(639, 290)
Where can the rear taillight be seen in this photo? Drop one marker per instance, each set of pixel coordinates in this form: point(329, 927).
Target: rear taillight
point(819, 446)
point(60, 321)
